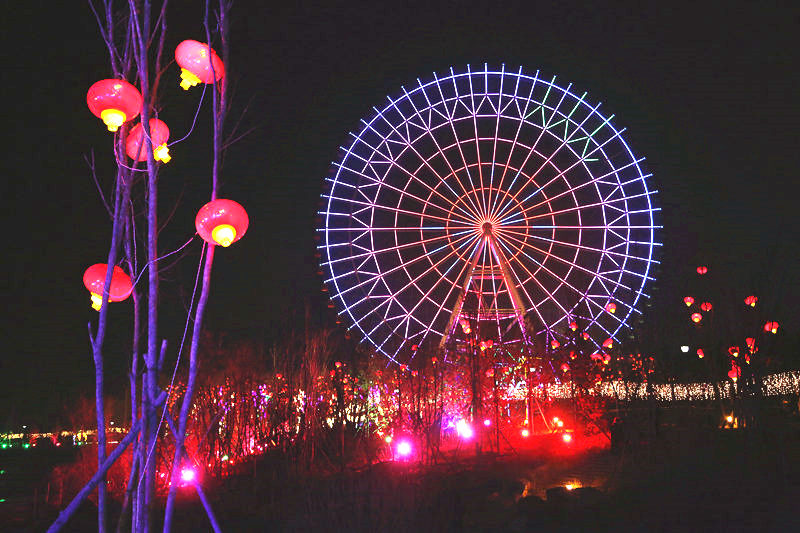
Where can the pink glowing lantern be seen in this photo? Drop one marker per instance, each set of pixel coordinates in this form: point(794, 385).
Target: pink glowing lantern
point(114, 101)
point(734, 351)
point(573, 326)
point(751, 300)
point(554, 344)
point(159, 135)
point(696, 317)
point(771, 327)
point(221, 222)
point(706, 306)
point(701, 270)
point(199, 63)
point(585, 336)
point(735, 372)
point(608, 343)
point(611, 307)
point(564, 367)
point(700, 353)
point(94, 280)
point(688, 301)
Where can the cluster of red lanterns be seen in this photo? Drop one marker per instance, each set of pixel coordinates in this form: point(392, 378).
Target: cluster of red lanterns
point(116, 102)
point(751, 300)
point(486, 344)
point(771, 327)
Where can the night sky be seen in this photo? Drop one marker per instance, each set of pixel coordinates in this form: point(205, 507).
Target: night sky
point(708, 95)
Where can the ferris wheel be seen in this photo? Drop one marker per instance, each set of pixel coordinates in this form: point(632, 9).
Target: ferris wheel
point(487, 197)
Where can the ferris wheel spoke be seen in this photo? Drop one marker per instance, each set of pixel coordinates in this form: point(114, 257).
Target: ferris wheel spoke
point(580, 160)
point(393, 298)
point(572, 244)
point(381, 183)
point(423, 160)
point(555, 257)
point(384, 208)
point(512, 197)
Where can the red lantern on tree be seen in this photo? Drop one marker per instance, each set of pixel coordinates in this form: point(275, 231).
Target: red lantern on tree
point(193, 58)
point(706, 306)
point(611, 307)
point(136, 148)
point(700, 353)
point(751, 300)
point(221, 222)
point(688, 301)
point(734, 351)
point(585, 336)
point(94, 280)
point(573, 326)
point(564, 367)
point(751, 344)
point(735, 372)
point(771, 327)
point(608, 343)
point(696, 317)
point(114, 101)
point(554, 344)
point(701, 270)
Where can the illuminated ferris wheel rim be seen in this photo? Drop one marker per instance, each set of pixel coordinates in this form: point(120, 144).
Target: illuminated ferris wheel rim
point(411, 162)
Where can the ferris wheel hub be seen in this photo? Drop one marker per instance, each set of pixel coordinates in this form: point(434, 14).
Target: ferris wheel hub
point(488, 228)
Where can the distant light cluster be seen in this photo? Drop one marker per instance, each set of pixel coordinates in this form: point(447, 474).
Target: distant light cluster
point(781, 384)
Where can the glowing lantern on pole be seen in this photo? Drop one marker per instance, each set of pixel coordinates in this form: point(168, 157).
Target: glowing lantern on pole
point(702, 270)
point(771, 327)
point(611, 307)
point(688, 301)
point(696, 317)
point(608, 343)
point(193, 58)
point(159, 135)
point(554, 344)
point(94, 280)
point(114, 101)
point(221, 222)
point(751, 300)
point(700, 353)
point(734, 351)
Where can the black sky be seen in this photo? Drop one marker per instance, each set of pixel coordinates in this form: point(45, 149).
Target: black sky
point(708, 94)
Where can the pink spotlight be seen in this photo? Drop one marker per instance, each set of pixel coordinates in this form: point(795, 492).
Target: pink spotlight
point(187, 475)
point(464, 430)
point(404, 448)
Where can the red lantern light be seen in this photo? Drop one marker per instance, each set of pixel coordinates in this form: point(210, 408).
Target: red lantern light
point(771, 327)
point(734, 351)
point(193, 58)
point(483, 345)
point(414, 347)
point(688, 301)
point(489, 343)
point(700, 353)
point(490, 373)
point(751, 300)
point(702, 270)
point(554, 344)
point(573, 326)
point(114, 101)
point(159, 135)
point(735, 372)
point(608, 343)
point(611, 307)
point(564, 367)
point(94, 280)
point(585, 336)
point(696, 317)
point(706, 306)
point(221, 222)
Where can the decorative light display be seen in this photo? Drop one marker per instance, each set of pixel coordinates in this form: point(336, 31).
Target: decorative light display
point(701, 270)
point(611, 307)
point(684, 348)
point(735, 372)
point(696, 317)
point(706, 306)
point(221, 222)
point(410, 210)
point(159, 135)
point(688, 301)
point(734, 351)
point(751, 300)
point(554, 344)
point(404, 448)
point(608, 343)
point(564, 367)
point(188, 475)
point(771, 327)
point(573, 326)
point(114, 101)
point(700, 353)
point(566, 437)
point(525, 433)
point(193, 58)
point(751, 344)
point(94, 279)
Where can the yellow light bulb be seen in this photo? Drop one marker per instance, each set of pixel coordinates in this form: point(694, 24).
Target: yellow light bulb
point(188, 79)
point(161, 153)
point(224, 234)
point(729, 418)
point(113, 118)
point(97, 301)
